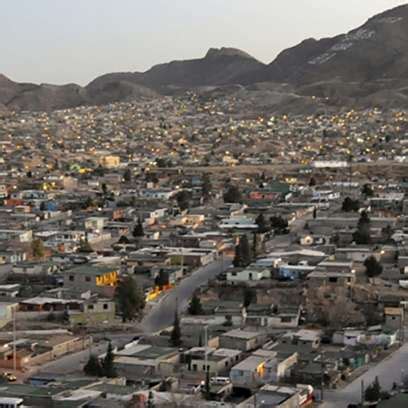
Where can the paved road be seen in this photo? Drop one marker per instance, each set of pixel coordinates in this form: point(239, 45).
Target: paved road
point(388, 371)
point(162, 315)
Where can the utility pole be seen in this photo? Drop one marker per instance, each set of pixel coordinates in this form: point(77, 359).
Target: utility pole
point(322, 380)
point(14, 340)
point(362, 392)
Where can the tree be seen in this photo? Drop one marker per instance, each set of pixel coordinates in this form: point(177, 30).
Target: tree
point(195, 308)
point(104, 188)
point(242, 253)
point(123, 240)
point(373, 391)
point(127, 176)
point(228, 321)
point(175, 336)
point(130, 298)
point(93, 367)
point(373, 267)
point(138, 230)
point(263, 226)
point(206, 187)
point(85, 247)
point(162, 279)
point(108, 363)
point(249, 296)
point(367, 191)
point(150, 400)
point(279, 224)
point(183, 199)
point(362, 235)
point(350, 205)
point(37, 248)
point(386, 233)
point(207, 380)
point(232, 194)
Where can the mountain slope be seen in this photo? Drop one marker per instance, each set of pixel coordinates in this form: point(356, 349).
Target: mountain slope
point(219, 67)
point(375, 51)
point(367, 66)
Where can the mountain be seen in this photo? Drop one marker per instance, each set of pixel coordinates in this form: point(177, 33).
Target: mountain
point(378, 50)
point(364, 67)
point(219, 67)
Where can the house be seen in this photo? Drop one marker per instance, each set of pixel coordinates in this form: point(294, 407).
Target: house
point(6, 312)
point(138, 361)
point(109, 161)
point(333, 266)
point(93, 312)
point(265, 316)
point(307, 339)
point(11, 290)
point(394, 318)
point(37, 350)
point(251, 273)
point(25, 236)
point(95, 278)
point(238, 339)
point(275, 396)
point(294, 272)
point(216, 361)
point(95, 223)
point(194, 257)
point(334, 279)
point(249, 373)
point(277, 366)
point(239, 223)
point(355, 254)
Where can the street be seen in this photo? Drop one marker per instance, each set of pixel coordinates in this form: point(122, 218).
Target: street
point(388, 371)
point(162, 314)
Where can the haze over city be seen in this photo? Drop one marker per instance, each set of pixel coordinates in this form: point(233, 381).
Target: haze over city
point(74, 41)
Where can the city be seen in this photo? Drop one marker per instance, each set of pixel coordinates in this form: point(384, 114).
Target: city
point(205, 248)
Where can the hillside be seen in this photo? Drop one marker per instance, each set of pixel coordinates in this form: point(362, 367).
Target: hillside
point(365, 67)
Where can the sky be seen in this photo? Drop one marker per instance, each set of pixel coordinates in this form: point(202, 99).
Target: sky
point(64, 41)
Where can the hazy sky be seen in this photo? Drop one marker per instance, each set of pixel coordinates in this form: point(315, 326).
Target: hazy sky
point(60, 41)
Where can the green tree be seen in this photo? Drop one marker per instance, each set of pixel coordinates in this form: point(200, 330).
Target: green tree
point(232, 194)
point(195, 308)
point(183, 199)
point(150, 400)
point(175, 336)
point(279, 224)
point(350, 205)
point(127, 176)
point(367, 191)
point(85, 247)
point(242, 256)
point(263, 226)
point(162, 279)
point(373, 391)
point(373, 267)
point(130, 298)
point(206, 187)
point(123, 240)
point(386, 233)
point(108, 366)
point(104, 189)
point(37, 249)
point(138, 231)
point(249, 296)
point(362, 235)
point(93, 367)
